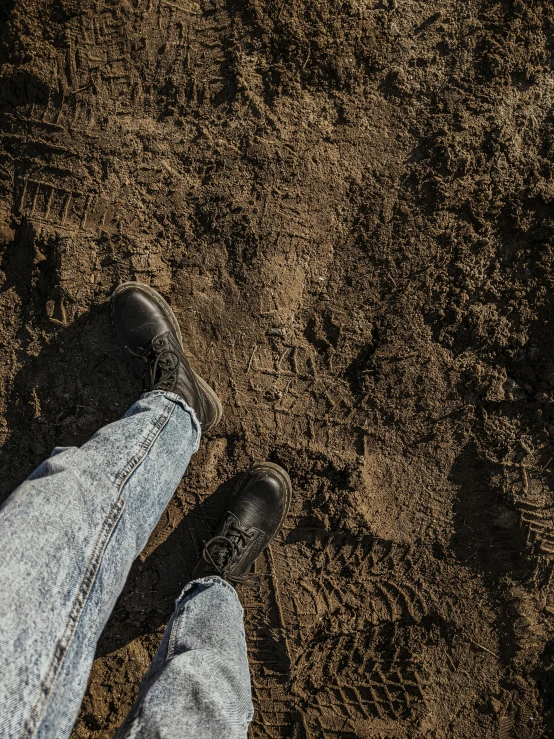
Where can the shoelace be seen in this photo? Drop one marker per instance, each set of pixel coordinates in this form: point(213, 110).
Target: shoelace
point(159, 357)
point(222, 552)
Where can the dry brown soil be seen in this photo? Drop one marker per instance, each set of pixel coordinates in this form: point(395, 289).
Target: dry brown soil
point(349, 204)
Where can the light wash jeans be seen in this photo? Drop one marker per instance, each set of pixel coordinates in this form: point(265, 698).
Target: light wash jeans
point(68, 537)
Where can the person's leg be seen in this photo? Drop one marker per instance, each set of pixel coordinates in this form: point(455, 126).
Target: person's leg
point(199, 683)
point(69, 534)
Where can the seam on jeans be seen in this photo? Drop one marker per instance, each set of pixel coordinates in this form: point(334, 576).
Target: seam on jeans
point(86, 584)
point(122, 477)
point(91, 571)
point(173, 635)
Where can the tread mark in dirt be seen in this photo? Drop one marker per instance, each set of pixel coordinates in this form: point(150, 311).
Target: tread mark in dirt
point(269, 652)
point(537, 512)
point(540, 529)
point(517, 720)
point(352, 614)
point(292, 396)
point(47, 203)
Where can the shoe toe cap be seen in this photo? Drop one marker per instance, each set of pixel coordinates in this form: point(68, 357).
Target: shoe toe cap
point(263, 498)
point(136, 317)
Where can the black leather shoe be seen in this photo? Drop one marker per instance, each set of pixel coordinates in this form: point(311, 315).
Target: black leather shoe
point(257, 509)
point(149, 337)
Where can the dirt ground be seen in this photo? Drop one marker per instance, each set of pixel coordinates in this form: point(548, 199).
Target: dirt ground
point(349, 205)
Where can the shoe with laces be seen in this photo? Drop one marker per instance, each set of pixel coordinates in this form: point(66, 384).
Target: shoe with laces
point(256, 511)
point(147, 332)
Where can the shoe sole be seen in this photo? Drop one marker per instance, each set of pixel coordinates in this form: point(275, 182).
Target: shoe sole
point(166, 308)
point(283, 474)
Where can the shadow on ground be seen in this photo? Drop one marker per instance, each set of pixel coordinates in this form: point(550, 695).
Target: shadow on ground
point(73, 386)
point(154, 583)
point(490, 539)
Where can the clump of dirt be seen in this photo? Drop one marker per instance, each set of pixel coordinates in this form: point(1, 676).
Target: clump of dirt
point(349, 206)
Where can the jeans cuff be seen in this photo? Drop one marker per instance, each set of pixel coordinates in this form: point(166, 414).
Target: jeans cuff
point(178, 400)
point(208, 580)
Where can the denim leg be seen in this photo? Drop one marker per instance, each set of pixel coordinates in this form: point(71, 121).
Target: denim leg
point(69, 535)
point(199, 683)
